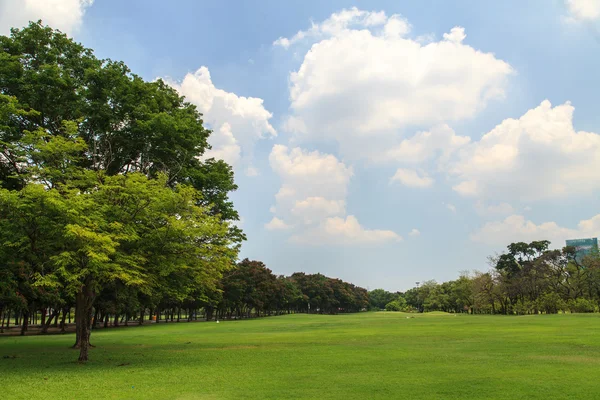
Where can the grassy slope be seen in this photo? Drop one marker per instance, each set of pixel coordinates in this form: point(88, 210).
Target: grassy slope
point(361, 356)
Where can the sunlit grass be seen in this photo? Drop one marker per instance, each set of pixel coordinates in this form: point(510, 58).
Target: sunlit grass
point(359, 356)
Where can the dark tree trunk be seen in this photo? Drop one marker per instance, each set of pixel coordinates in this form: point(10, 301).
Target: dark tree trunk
point(64, 317)
point(83, 318)
point(106, 320)
point(78, 311)
point(25, 322)
point(54, 314)
point(95, 319)
point(141, 320)
point(116, 320)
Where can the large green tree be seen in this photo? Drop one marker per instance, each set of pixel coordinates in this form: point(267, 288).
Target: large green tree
point(102, 182)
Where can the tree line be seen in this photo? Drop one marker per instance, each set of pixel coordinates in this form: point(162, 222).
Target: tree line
point(249, 289)
point(528, 278)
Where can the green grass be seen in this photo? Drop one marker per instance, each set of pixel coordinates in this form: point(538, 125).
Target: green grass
point(360, 356)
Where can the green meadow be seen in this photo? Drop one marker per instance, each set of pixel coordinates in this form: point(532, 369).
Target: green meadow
point(355, 356)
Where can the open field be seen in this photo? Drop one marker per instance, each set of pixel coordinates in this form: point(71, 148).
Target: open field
point(357, 356)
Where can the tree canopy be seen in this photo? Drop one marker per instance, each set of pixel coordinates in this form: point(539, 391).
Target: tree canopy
point(102, 182)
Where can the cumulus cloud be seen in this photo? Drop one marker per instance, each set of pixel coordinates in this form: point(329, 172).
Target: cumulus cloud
point(516, 228)
point(414, 232)
point(538, 156)
point(583, 10)
point(307, 174)
point(412, 178)
point(314, 184)
point(451, 207)
point(315, 209)
point(365, 78)
point(439, 142)
point(337, 23)
point(344, 231)
point(66, 15)
point(466, 188)
point(312, 198)
point(224, 146)
point(238, 122)
point(277, 224)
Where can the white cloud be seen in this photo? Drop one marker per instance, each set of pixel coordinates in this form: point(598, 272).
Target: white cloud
point(340, 231)
point(309, 174)
point(451, 207)
point(537, 156)
point(238, 121)
point(440, 141)
point(313, 184)
point(583, 10)
point(466, 188)
point(315, 209)
point(277, 224)
point(414, 232)
point(516, 228)
point(412, 178)
point(312, 198)
point(347, 19)
point(360, 84)
point(224, 146)
point(66, 15)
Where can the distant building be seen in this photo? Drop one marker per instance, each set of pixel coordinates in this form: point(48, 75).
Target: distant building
point(584, 247)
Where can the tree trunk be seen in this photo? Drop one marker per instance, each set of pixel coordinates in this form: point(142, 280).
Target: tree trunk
point(64, 317)
point(25, 322)
point(95, 319)
point(141, 320)
point(54, 314)
point(116, 320)
point(83, 317)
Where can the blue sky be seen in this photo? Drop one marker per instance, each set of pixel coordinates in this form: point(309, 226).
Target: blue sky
point(390, 141)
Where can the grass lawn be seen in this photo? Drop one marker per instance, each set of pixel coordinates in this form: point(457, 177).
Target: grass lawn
point(359, 356)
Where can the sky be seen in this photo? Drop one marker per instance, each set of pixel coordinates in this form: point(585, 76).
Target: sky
point(380, 142)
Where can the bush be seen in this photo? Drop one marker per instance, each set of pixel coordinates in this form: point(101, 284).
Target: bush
point(524, 307)
point(396, 305)
point(582, 306)
point(393, 306)
point(551, 303)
